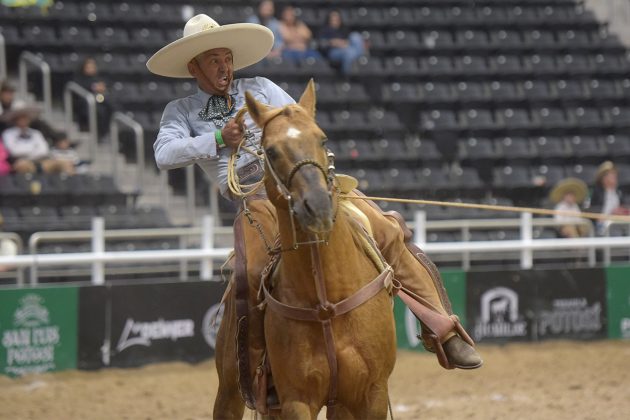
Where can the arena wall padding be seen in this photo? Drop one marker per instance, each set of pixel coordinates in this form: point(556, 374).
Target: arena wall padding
point(38, 330)
point(618, 296)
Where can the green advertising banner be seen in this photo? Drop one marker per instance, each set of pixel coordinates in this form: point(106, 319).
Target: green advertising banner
point(618, 294)
point(38, 330)
point(407, 326)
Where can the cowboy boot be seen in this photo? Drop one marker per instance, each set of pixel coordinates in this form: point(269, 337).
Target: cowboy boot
point(421, 283)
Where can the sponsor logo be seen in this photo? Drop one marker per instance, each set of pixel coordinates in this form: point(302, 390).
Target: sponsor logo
point(625, 327)
point(144, 333)
point(211, 322)
point(500, 316)
point(570, 316)
point(30, 344)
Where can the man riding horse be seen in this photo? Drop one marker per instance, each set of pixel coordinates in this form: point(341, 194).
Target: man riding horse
point(201, 129)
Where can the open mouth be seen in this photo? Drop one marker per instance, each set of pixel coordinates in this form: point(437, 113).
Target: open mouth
point(223, 81)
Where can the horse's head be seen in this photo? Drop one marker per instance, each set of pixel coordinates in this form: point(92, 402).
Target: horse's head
point(296, 160)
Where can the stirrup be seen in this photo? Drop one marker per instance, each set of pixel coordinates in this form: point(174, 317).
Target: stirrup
point(434, 344)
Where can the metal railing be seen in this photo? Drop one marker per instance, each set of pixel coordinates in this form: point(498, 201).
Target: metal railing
point(213, 194)
point(28, 59)
point(116, 121)
point(3, 58)
point(19, 248)
point(73, 88)
point(524, 247)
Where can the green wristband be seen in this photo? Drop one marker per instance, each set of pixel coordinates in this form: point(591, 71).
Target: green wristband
point(219, 138)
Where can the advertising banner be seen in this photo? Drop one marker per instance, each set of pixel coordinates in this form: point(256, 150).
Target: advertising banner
point(537, 304)
point(570, 304)
point(618, 291)
point(500, 306)
point(162, 322)
point(94, 320)
point(408, 327)
point(38, 329)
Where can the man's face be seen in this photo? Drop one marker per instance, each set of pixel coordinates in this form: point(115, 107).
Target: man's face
point(214, 70)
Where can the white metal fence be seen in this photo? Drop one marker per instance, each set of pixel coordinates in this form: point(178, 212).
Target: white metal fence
point(206, 253)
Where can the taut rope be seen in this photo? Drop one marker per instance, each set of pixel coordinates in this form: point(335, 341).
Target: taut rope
point(533, 210)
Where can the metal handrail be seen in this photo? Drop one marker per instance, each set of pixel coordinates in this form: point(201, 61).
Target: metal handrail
point(118, 118)
point(84, 235)
point(28, 58)
point(17, 239)
point(3, 58)
point(76, 89)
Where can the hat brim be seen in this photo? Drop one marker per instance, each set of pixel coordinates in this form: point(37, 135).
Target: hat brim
point(31, 112)
point(248, 42)
point(574, 185)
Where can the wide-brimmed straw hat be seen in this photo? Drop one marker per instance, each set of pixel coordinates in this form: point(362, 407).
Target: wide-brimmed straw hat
point(29, 111)
point(249, 43)
point(603, 169)
point(569, 185)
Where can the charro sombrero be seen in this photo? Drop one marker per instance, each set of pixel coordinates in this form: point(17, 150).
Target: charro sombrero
point(29, 111)
point(249, 43)
point(569, 185)
point(603, 169)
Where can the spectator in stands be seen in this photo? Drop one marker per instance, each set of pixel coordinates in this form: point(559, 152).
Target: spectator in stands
point(27, 147)
point(63, 150)
point(5, 166)
point(265, 16)
point(200, 129)
point(89, 78)
point(9, 101)
point(607, 197)
point(338, 44)
point(296, 36)
point(567, 195)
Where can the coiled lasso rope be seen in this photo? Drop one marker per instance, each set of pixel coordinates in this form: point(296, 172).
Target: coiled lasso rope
point(233, 181)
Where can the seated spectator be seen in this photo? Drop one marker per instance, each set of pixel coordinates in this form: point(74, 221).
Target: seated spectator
point(297, 37)
point(265, 16)
point(9, 100)
point(89, 78)
point(5, 166)
point(63, 150)
point(27, 147)
point(568, 194)
point(607, 197)
point(338, 44)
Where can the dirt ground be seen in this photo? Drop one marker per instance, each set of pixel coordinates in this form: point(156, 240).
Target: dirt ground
point(554, 380)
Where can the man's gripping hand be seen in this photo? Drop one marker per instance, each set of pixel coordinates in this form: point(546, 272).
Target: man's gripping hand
point(232, 134)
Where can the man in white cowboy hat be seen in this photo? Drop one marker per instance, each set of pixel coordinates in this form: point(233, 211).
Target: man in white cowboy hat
point(200, 129)
point(607, 198)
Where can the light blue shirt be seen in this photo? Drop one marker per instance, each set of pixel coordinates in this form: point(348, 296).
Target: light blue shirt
point(185, 138)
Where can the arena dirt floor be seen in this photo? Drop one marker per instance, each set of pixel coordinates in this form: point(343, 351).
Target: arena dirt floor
point(553, 380)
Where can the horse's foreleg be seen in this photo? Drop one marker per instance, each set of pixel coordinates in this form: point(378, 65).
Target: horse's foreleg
point(297, 410)
point(375, 406)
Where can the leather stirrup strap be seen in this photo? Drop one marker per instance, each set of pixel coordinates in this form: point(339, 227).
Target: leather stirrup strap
point(242, 315)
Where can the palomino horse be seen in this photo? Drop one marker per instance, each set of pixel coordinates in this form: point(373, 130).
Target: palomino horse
point(317, 350)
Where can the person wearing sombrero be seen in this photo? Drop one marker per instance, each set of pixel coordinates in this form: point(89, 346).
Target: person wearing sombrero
point(27, 147)
point(201, 129)
point(607, 198)
point(567, 196)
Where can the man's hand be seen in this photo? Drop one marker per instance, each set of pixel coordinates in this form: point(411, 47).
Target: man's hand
point(232, 134)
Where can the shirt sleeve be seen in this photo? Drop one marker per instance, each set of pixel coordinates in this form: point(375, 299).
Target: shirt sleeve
point(40, 148)
point(274, 94)
point(174, 146)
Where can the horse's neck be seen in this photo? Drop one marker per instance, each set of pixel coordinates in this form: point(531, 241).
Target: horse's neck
point(345, 266)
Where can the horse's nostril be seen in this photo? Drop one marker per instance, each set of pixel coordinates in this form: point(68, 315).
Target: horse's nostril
point(308, 208)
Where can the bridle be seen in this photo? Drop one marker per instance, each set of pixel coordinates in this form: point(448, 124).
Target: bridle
point(283, 187)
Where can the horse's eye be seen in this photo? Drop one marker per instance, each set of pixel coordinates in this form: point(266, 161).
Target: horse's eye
point(324, 141)
point(271, 152)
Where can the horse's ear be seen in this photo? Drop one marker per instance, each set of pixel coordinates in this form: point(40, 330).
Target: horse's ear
point(307, 100)
point(259, 112)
